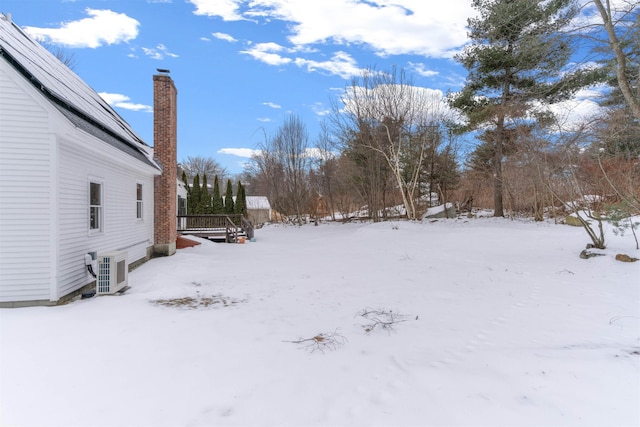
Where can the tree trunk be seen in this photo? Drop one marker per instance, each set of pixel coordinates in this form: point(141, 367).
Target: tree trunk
point(498, 203)
point(621, 59)
point(501, 139)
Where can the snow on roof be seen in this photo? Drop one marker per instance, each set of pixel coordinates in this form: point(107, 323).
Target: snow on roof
point(63, 87)
point(258, 202)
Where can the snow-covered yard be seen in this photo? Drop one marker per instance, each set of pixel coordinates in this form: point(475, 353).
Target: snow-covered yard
point(495, 322)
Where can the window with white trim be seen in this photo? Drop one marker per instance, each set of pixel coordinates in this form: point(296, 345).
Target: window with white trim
point(95, 206)
point(139, 201)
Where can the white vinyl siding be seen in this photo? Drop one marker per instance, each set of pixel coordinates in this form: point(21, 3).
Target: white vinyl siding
point(45, 167)
point(121, 230)
point(27, 151)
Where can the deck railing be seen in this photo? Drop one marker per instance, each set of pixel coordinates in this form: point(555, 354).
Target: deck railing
point(228, 226)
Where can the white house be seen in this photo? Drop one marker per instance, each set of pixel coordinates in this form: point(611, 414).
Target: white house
point(75, 178)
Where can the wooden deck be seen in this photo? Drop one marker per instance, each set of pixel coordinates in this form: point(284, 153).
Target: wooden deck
point(226, 228)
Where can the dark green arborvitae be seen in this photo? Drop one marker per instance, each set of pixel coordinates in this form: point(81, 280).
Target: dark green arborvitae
point(228, 199)
point(241, 200)
point(193, 200)
point(185, 180)
point(218, 207)
point(205, 199)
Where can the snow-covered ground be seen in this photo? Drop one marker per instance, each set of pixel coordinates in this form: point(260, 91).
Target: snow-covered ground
point(494, 322)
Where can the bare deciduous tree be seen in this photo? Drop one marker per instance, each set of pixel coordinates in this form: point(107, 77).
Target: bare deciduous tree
point(623, 18)
point(64, 55)
point(200, 165)
point(284, 163)
point(385, 119)
point(327, 167)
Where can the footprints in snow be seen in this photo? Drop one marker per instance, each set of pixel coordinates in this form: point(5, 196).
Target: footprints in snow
point(483, 336)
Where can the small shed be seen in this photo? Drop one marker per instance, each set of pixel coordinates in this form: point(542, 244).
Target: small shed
point(258, 210)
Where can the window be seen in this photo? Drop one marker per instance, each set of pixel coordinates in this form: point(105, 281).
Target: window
point(139, 201)
point(95, 206)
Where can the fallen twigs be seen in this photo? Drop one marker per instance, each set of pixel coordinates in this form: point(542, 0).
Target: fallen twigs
point(381, 319)
point(321, 342)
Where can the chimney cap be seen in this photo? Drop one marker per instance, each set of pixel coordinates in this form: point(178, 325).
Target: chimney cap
point(162, 70)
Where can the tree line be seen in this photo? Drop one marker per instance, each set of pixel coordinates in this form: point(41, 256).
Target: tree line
point(390, 148)
point(390, 143)
point(202, 202)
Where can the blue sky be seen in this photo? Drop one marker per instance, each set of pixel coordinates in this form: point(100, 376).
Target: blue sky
point(242, 66)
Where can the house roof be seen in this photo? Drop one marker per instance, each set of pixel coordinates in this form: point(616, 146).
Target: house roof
point(68, 92)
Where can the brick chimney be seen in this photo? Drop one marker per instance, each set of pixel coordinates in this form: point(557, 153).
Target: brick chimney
point(165, 151)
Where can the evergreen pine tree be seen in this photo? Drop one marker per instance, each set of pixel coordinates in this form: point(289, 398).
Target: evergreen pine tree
point(193, 202)
point(229, 207)
point(241, 200)
point(515, 61)
point(206, 204)
point(185, 180)
point(218, 208)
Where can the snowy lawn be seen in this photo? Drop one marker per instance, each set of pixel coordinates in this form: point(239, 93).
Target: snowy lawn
point(493, 322)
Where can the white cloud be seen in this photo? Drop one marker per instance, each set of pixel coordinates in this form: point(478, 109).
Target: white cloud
point(422, 70)
point(102, 27)
point(239, 152)
point(123, 101)
point(225, 37)
point(248, 153)
point(268, 53)
point(388, 27)
point(159, 52)
point(591, 20)
point(580, 109)
point(428, 104)
point(272, 105)
point(320, 109)
point(341, 64)
point(226, 9)
point(264, 119)
point(316, 153)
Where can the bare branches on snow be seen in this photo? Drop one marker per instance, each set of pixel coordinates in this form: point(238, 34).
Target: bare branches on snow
point(381, 319)
point(321, 342)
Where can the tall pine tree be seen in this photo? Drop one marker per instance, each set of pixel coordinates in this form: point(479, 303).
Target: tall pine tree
point(205, 205)
point(228, 199)
point(515, 63)
point(185, 180)
point(241, 200)
point(193, 202)
point(218, 207)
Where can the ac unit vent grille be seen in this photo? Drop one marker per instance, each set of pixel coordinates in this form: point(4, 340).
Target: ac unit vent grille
point(112, 272)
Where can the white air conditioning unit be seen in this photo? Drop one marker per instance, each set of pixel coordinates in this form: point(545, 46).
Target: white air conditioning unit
point(112, 272)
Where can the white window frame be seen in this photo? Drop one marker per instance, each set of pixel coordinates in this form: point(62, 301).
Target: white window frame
point(139, 201)
point(95, 210)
